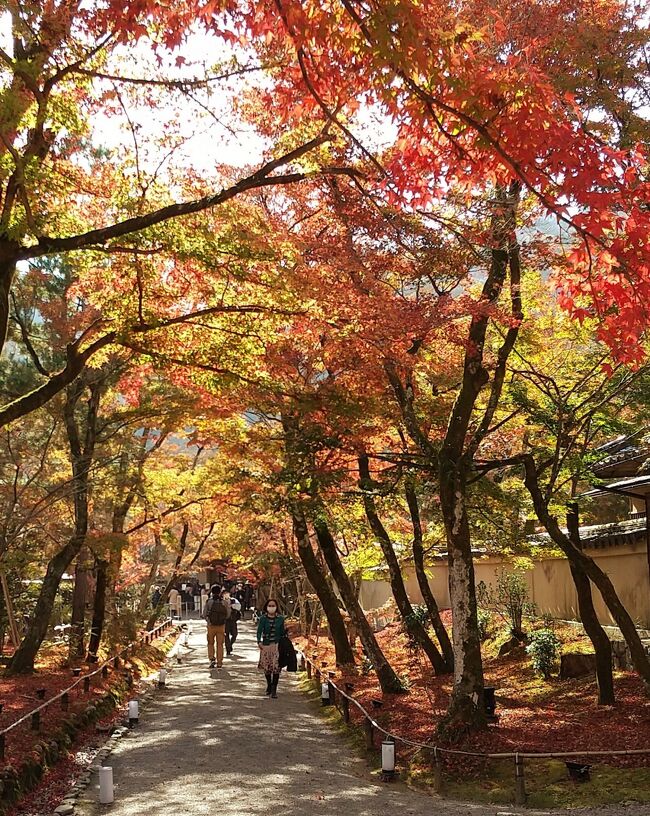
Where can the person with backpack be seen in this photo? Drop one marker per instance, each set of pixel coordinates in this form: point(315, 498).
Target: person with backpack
point(217, 612)
point(231, 623)
point(270, 630)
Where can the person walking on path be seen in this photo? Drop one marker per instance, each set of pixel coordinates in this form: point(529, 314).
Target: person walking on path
point(217, 612)
point(175, 602)
point(231, 624)
point(270, 630)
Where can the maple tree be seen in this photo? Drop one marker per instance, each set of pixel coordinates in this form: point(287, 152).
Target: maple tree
point(62, 193)
point(570, 406)
point(379, 302)
point(487, 97)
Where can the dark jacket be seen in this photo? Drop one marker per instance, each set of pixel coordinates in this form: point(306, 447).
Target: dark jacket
point(287, 654)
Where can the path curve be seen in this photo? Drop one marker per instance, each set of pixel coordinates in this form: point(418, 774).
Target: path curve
point(211, 742)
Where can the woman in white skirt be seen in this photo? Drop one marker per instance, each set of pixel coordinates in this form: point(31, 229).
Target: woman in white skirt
point(270, 630)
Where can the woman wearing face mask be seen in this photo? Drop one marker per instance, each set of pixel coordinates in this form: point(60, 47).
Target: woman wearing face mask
point(270, 630)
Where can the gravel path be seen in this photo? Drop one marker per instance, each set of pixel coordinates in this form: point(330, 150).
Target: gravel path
point(211, 742)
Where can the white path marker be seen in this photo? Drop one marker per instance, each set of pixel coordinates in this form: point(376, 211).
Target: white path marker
point(106, 795)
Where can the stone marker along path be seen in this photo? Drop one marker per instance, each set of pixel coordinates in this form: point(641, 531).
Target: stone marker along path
point(212, 743)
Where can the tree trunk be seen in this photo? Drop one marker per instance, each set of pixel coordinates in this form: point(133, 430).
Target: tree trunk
point(127, 492)
point(596, 633)
point(172, 580)
point(303, 613)
point(99, 609)
point(414, 627)
point(7, 272)
point(326, 596)
point(591, 569)
point(388, 680)
point(423, 581)
point(23, 660)
point(466, 710)
point(80, 594)
point(81, 457)
point(146, 589)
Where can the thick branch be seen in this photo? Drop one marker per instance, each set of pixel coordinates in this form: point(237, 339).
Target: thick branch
point(261, 178)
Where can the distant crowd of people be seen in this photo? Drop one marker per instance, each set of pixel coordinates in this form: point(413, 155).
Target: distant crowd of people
point(192, 596)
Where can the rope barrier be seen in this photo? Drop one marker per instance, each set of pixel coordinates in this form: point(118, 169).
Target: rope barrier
point(506, 755)
point(83, 678)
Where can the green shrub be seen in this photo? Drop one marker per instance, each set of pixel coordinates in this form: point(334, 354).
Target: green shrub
point(508, 599)
point(421, 614)
point(544, 649)
point(484, 623)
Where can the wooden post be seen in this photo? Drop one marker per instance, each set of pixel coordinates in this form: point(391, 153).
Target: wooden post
point(36, 721)
point(104, 671)
point(65, 701)
point(2, 746)
point(369, 731)
point(116, 662)
point(331, 688)
point(308, 666)
point(437, 771)
point(86, 684)
point(345, 709)
point(520, 781)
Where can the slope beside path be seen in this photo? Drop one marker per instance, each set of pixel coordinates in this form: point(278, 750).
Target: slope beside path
point(212, 743)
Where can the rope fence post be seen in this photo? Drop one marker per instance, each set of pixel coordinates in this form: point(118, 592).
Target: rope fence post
point(308, 666)
point(345, 708)
point(332, 688)
point(65, 701)
point(369, 732)
point(520, 781)
point(437, 771)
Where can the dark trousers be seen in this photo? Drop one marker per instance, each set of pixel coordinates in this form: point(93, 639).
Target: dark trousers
point(231, 635)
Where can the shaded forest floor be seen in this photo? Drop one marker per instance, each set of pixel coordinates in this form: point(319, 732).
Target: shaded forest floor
point(535, 716)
